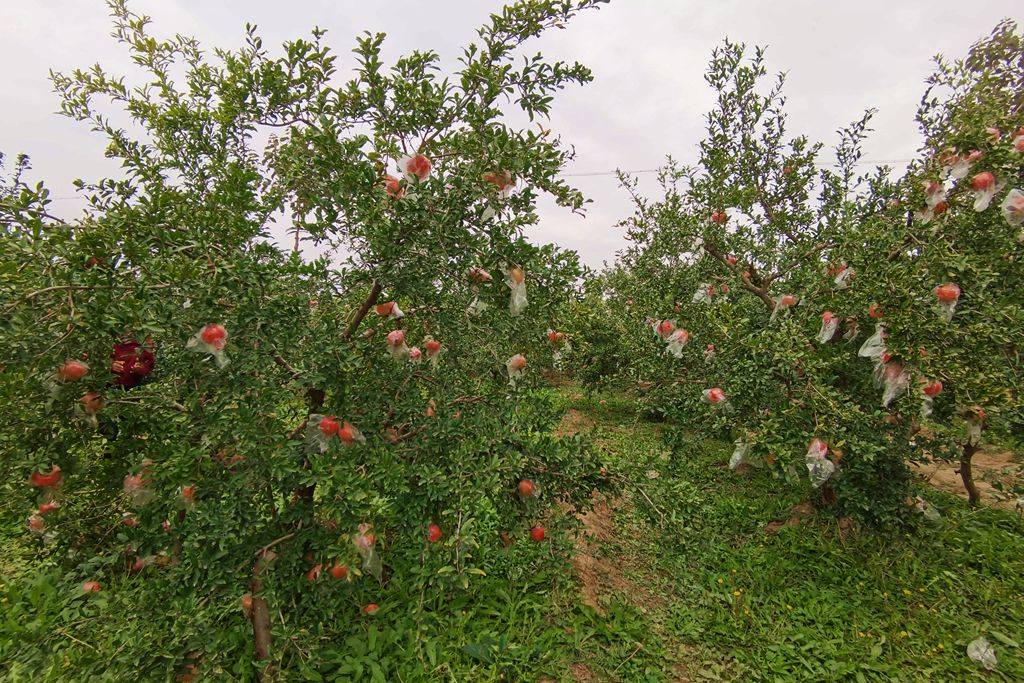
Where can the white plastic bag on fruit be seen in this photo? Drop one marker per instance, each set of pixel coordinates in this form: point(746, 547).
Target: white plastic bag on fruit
point(874, 346)
point(819, 467)
point(211, 339)
point(416, 167)
point(560, 346)
point(926, 509)
point(389, 310)
point(709, 353)
point(985, 187)
point(740, 455)
point(850, 329)
point(947, 296)
point(981, 651)
point(705, 294)
point(935, 201)
point(676, 341)
point(396, 345)
point(515, 279)
point(515, 366)
point(415, 355)
point(502, 181)
point(478, 275)
point(365, 542)
point(433, 350)
point(930, 390)
point(476, 306)
point(934, 193)
point(715, 397)
point(843, 276)
point(895, 379)
point(782, 304)
point(829, 326)
point(1013, 209)
point(320, 429)
point(665, 328)
point(135, 488)
point(957, 166)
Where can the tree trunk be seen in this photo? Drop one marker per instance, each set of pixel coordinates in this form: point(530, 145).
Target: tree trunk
point(260, 618)
point(973, 494)
point(260, 629)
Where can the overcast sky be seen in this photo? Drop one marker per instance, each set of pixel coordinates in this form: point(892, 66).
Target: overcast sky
point(647, 100)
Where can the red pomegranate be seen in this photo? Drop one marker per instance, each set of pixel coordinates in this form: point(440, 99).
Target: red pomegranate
point(948, 292)
point(72, 370)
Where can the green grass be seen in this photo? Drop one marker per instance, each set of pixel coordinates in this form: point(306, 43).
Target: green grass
point(690, 588)
point(736, 603)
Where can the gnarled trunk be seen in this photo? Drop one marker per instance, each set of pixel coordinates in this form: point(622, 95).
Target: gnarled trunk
point(967, 475)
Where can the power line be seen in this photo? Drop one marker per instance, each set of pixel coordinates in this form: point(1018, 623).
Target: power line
point(878, 162)
point(591, 174)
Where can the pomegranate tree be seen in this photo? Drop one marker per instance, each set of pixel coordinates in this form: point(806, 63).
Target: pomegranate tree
point(293, 427)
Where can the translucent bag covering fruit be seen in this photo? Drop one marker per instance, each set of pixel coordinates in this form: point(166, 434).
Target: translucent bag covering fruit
point(676, 341)
point(929, 391)
point(715, 397)
point(211, 339)
point(1013, 210)
point(415, 355)
point(850, 329)
point(89, 406)
point(478, 275)
point(947, 296)
point(874, 346)
point(783, 303)
point(515, 278)
point(895, 380)
point(321, 429)
point(433, 348)
point(135, 487)
point(981, 651)
point(842, 276)
point(393, 187)
point(366, 545)
point(560, 346)
point(705, 294)
point(664, 328)
point(349, 435)
point(396, 345)
point(49, 481)
point(36, 524)
point(416, 167)
point(975, 419)
point(819, 466)
point(741, 454)
point(515, 366)
point(957, 166)
point(709, 353)
point(502, 181)
point(935, 202)
point(187, 497)
point(985, 187)
point(389, 310)
point(927, 509)
point(829, 327)
point(476, 306)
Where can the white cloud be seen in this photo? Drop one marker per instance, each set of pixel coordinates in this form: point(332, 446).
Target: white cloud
point(648, 98)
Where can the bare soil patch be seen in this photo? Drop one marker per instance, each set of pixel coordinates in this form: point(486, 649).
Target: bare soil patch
point(988, 466)
point(797, 514)
point(573, 422)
